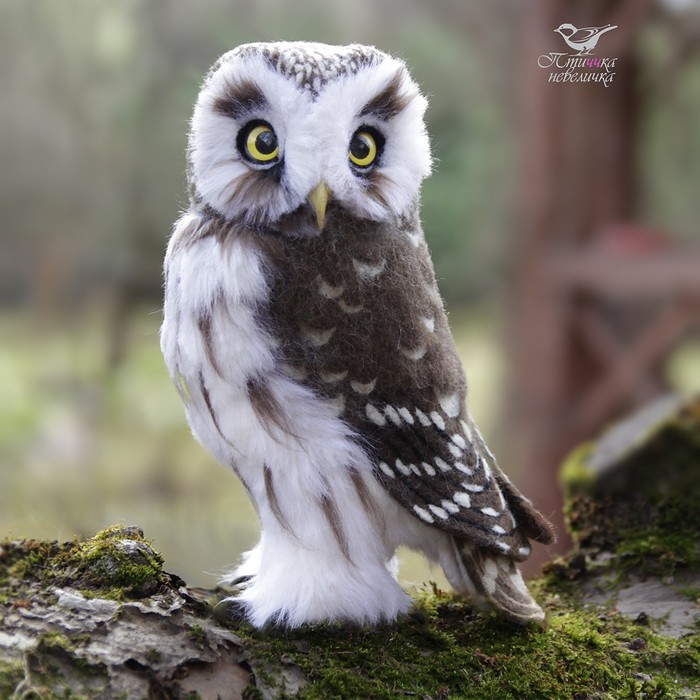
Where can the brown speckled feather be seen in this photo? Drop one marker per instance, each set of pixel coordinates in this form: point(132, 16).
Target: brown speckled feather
point(364, 325)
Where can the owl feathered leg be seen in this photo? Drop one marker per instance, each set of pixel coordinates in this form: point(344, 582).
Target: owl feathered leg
point(494, 579)
point(310, 582)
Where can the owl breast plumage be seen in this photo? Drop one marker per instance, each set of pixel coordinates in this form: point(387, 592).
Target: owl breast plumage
point(305, 332)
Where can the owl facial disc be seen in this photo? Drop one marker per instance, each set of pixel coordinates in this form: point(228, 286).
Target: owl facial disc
point(273, 121)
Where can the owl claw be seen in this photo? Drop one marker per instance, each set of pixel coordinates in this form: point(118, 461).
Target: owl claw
point(239, 581)
point(229, 612)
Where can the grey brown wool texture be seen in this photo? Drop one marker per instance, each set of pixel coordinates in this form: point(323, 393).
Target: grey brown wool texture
point(312, 71)
point(360, 321)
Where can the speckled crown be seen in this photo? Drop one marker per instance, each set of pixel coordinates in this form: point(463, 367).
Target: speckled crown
point(311, 65)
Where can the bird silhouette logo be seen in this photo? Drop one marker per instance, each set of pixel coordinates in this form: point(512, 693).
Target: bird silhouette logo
point(583, 40)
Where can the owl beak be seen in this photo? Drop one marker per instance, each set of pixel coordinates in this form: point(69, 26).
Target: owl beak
point(319, 201)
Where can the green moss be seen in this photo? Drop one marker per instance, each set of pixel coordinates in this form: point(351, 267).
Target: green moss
point(576, 475)
point(644, 510)
point(253, 693)
point(27, 559)
point(153, 656)
point(692, 592)
point(55, 641)
point(652, 552)
point(448, 651)
point(444, 649)
point(117, 563)
point(55, 644)
point(197, 634)
point(650, 538)
point(11, 675)
point(121, 562)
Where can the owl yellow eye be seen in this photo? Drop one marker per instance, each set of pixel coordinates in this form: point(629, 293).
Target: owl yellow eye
point(364, 147)
point(259, 143)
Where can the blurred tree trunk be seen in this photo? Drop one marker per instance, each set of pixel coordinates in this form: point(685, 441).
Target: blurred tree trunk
point(577, 175)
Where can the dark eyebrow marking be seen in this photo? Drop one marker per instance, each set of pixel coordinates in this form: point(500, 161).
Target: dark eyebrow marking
point(240, 99)
point(389, 102)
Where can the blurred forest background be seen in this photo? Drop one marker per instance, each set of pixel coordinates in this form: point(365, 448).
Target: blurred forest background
point(95, 100)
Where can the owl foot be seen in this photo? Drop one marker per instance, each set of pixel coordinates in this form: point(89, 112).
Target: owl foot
point(229, 612)
point(294, 586)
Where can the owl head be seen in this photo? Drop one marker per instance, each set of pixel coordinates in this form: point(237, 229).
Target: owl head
point(285, 135)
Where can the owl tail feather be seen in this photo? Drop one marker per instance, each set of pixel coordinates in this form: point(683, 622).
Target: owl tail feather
point(497, 580)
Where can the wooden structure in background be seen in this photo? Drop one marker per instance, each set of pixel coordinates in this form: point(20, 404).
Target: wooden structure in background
point(597, 302)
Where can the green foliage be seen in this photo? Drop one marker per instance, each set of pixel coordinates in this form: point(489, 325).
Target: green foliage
point(464, 203)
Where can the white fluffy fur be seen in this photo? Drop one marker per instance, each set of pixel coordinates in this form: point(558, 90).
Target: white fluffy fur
point(314, 138)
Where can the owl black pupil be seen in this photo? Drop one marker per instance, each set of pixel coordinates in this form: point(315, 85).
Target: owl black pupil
point(266, 142)
point(359, 147)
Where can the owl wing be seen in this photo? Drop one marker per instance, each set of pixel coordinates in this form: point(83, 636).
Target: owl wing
point(364, 324)
point(432, 462)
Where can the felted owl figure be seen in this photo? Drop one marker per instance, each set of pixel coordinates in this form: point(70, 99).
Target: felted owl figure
point(305, 333)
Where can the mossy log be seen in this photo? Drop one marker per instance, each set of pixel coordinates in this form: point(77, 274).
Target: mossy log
point(101, 618)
